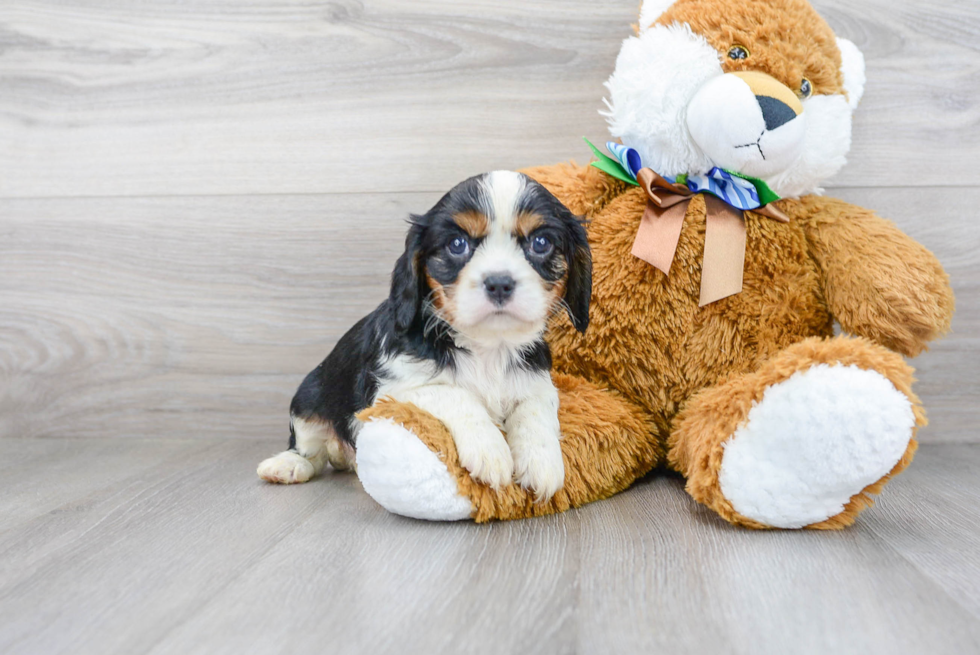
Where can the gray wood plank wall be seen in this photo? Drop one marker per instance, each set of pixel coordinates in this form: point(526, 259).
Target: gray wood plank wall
point(197, 199)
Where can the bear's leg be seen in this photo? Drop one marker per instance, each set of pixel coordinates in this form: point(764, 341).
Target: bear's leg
point(802, 441)
point(407, 461)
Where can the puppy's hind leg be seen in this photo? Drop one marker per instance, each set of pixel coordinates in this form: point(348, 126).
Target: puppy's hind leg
point(312, 443)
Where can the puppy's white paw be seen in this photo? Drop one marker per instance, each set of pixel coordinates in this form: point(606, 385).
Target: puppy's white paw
point(538, 465)
point(286, 468)
point(484, 453)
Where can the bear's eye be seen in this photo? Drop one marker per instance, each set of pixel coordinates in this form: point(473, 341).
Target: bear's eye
point(738, 53)
point(806, 89)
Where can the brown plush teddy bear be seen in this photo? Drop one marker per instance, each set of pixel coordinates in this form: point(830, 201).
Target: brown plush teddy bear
point(711, 348)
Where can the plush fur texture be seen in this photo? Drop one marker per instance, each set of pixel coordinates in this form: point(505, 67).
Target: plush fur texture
point(852, 70)
point(713, 416)
point(651, 11)
point(656, 76)
point(813, 441)
point(658, 375)
point(395, 460)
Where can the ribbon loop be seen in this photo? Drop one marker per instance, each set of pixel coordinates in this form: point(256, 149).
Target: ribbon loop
point(628, 158)
point(656, 241)
point(662, 192)
point(736, 191)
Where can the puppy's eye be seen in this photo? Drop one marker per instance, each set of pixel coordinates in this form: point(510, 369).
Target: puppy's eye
point(738, 53)
point(806, 89)
point(458, 246)
point(541, 245)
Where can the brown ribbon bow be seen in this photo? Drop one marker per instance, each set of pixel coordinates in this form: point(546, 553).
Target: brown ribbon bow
point(724, 238)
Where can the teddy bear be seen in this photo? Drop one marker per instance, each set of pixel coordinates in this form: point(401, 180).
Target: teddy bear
point(719, 274)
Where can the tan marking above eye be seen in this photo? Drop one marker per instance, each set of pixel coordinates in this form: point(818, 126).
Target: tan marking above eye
point(475, 223)
point(527, 222)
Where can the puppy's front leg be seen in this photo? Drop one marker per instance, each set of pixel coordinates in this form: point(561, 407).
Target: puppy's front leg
point(534, 434)
point(481, 447)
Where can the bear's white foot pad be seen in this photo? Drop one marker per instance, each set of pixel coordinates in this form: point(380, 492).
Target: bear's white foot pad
point(404, 476)
point(286, 468)
point(812, 442)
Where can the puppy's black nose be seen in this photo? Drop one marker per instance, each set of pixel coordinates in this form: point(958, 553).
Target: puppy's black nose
point(499, 287)
point(775, 112)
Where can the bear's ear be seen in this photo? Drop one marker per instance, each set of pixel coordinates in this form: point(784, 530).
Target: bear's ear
point(852, 70)
point(651, 11)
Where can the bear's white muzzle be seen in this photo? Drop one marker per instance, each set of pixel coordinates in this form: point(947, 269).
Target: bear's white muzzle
point(747, 122)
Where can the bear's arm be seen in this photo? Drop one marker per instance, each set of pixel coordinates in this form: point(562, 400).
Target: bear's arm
point(583, 189)
point(879, 282)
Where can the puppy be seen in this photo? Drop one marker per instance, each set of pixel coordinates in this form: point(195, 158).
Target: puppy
point(461, 336)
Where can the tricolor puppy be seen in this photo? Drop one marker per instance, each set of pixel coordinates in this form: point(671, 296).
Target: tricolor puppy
point(461, 336)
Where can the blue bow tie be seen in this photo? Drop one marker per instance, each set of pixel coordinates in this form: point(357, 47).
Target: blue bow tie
point(660, 228)
point(739, 191)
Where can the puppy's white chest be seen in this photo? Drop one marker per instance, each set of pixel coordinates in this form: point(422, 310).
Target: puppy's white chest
point(496, 378)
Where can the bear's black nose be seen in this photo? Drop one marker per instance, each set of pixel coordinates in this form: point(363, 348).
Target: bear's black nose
point(499, 287)
point(775, 112)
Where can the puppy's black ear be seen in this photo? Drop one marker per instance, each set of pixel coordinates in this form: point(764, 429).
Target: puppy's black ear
point(406, 280)
point(578, 256)
point(578, 288)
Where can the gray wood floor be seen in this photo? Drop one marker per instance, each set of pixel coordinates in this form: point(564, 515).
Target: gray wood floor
point(172, 547)
point(197, 199)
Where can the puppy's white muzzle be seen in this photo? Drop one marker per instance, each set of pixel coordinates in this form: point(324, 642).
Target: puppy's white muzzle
point(499, 295)
point(747, 122)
